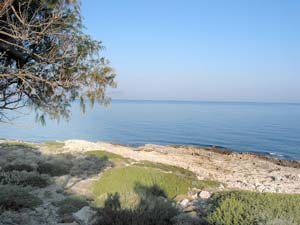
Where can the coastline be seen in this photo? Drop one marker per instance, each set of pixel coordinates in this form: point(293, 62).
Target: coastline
point(237, 171)
point(268, 156)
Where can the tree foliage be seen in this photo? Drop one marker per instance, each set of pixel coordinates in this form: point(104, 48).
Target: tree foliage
point(46, 60)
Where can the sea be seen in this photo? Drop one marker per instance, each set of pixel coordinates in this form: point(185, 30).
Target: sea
point(267, 128)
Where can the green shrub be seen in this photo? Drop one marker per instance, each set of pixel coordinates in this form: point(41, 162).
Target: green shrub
point(57, 167)
point(250, 208)
point(150, 211)
point(69, 206)
point(14, 198)
point(88, 165)
point(18, 167)
point(110, 156)
point(36, 180)
point(24, 178)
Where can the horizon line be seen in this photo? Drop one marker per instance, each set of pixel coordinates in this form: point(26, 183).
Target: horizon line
point(206, 101)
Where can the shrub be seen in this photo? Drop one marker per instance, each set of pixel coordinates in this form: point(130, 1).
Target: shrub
point(24, 178)
point(14, 218)
point(69, 206)
point(88, 166)
point(150, 211)
point(186, 219)
point(14, 198)
point(18, 167)
point(248, 208)
point(36, 180)
point(57, 167)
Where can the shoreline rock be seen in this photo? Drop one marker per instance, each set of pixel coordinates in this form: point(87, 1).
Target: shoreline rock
point(242, 171)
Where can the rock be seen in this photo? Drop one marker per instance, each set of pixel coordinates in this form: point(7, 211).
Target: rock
point(204, 194)
point(84, 216)
point(189, 208)
point(194, 193)
point(184, 203)
point(221, 187)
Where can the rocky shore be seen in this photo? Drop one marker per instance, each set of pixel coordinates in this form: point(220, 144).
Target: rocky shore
point(245, 171)
point(62, 175)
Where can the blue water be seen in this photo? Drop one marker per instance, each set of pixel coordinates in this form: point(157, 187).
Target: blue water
point(267, 128)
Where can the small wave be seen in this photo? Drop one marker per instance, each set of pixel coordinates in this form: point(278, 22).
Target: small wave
point(278, 155)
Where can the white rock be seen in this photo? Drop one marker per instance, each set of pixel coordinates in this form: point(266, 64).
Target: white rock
point(184, 203)
point(205, 194)
point(84, 216)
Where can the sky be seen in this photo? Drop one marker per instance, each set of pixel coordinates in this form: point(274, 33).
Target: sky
point(205, 50)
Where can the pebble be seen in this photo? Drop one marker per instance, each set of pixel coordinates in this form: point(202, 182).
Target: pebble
point(204, 194)
point(184, 203)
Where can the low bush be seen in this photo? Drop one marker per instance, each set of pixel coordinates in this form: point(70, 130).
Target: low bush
point(14, 198)
point(24, 178)
point(150, 211)
point(57, 167)
point(18, 167)
point(88, 166)
point(69, 206)
point(250, 208)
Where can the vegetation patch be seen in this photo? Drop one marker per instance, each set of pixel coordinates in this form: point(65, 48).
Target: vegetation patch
point(126, 182)
point(108, 155)
point(14, 198)
point(69, 206)
point(151, 210)
point(57, 167)
point(248, 208)
point(167, 168)
point(16, 145)
point(24, 178)
point(178, 171)
point(18, 167)
point(54, 144)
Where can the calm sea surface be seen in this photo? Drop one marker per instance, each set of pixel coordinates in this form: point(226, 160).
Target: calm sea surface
point(257, 127)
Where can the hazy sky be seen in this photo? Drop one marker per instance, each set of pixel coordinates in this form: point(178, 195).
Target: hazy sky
point(200, 49)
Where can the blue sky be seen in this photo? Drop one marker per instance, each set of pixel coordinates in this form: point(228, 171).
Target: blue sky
point(199, 49)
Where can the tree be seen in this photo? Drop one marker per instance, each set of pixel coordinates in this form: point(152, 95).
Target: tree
point(46, 60)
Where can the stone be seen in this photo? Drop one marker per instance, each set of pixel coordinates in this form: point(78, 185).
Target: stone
point(189, 208)
point(193, 193)
point(84, 216)
point(204, 194)
point(184, 203)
